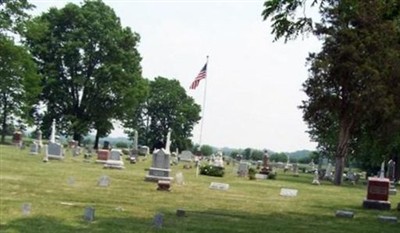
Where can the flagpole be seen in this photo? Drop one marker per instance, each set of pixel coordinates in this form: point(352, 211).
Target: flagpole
point(204, 106)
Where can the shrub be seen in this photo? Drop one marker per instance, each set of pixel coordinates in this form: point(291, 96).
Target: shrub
point(272, 175)
point(210, 170)
point(252, 173)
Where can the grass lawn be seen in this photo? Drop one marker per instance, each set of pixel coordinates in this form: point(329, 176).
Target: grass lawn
point(129, 204)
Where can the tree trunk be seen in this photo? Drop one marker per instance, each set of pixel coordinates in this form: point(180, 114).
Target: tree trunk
point(96, 141)
point(4, 120)
point(77, 137)
point(342, 149)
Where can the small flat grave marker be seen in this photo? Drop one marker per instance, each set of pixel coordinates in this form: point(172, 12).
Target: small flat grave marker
point(158, 220)
point(219, 186)
point(104, 181)
point(344, 214)
point(261, 176)
point(392, 219)
point(288, 192)
point(88, 214)
point(71, 181)
point(26, 209)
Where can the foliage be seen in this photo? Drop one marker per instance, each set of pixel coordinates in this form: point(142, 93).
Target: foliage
point(121, 145)
point(278, 157)
point(167, 106)
point(252, 173)
point(210, 170)
point(19, 83)
point(90, 66)
point(206, 150)
point(272, 175)
point(13, 15)
point(352, 85)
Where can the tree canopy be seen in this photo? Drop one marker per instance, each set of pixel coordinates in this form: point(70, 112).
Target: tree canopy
point(90, 67)
point(352, 85)
point(167, 106)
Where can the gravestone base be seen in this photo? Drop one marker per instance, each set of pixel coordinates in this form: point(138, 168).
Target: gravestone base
point(392, 219)
point(114, 165)
point(344, 214)
point(265, 170)
point(156, 174)
point(164, 185)
point(392, 188)
point(378, 205)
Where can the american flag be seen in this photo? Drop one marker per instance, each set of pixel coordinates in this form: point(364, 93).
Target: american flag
point(200, 76)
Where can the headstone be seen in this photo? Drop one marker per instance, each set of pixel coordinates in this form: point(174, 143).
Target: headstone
point(104, 181)
point(26, 209)
point(71, 181)
point(344, 214)
point(144, 150)
point(115, 160)
point(218, 161)
point(39, 139)
point(186, 156)
point(219, 186)
point(288, 192)
point(266, 167)
point(328, 172)
point(54, 150)
point(179, 178)
point(378, 194)
point(296, 169)
point(243, 169)
point(392, 219)
point(106, 145)
point(261, 176)
point(88, 214)
point(102, 156)
point(180, 213)
point(382, 171)
point(34, 149)
point(392, 177)
point(316, 178)
point(158, 220)
point(160, 168)
point(17, 138)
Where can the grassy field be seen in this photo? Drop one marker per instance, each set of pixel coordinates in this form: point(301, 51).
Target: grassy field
point(129, 204)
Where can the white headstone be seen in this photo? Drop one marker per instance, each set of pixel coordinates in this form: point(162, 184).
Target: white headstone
point(26, 209)
point(179, 178)
point(219, 186)
point(288, 192)
point(104, 181)
point(53, 132)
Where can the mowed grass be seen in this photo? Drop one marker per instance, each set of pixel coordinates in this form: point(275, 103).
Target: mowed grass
point(130, 203)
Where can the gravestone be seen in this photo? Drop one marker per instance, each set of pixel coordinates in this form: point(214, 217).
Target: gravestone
point(34, 148)
point(160, 168)
point(344, 214)
point(71, 181)
point(106, 145)
point(261, 176)
point(164, 185)
point(158, 220)
point(115, 160)
point(17, 138)
point(316, 178)
point(243, 169)
point(219, 186)
point(328, 172)
point(296, 169)
point(102, 156)
point(378, 194)
point(179, 178)
point(391, 176)
point(288, 192)
point(104, 181)
point(186, 156)
point(392, 219)
point(76, 151)
point(88, 214)
point(26, 209)
point(54, 151)
point(265, 167)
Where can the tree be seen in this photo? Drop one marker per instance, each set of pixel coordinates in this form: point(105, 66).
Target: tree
point(206, 150)
point(19, 81)
point(166, 107)
point(352, 84)
point(90, 66)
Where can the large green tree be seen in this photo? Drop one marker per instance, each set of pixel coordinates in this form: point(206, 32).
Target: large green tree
point(352, 85)
point(19, 81)
point(167, 106)
point(90, 66)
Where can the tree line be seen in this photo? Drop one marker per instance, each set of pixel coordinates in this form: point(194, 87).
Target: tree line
point(80, 66)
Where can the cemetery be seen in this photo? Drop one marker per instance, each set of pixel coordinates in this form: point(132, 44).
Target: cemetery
point(71, 195)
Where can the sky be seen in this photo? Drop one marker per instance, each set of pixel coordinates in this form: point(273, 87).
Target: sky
point(253, 88)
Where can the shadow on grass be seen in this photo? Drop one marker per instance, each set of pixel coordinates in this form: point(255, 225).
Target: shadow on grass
point(212, 220)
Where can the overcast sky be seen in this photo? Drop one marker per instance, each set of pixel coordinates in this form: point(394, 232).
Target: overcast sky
point(253, 86)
